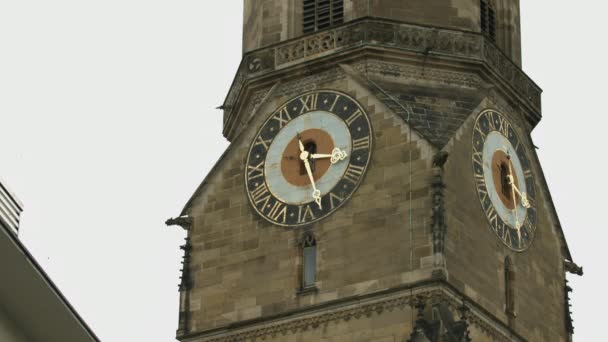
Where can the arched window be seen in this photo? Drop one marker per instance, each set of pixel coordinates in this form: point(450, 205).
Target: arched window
point(487, 18)
point(509, 289)
point(309, 261)
point(322, 14)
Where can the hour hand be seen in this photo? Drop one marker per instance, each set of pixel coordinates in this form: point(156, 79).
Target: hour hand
point(335, 156)
point(522, 195)
point(300, 142)
point(524, 198)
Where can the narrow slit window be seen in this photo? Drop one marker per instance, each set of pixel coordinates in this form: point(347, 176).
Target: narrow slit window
point(509, 291)
point(309, 261)
point(322, 14)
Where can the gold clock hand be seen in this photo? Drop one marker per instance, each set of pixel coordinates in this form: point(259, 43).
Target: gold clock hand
point(336, 155)
point(510, 179)
point(316, 194)
point(300, 143)
point(522, 195)
point(320, 156)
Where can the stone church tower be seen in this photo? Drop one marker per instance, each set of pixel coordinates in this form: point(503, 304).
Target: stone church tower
point(381, 183)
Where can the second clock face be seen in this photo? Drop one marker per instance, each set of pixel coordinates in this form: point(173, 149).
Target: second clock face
point(308, 158)
point(504, 179)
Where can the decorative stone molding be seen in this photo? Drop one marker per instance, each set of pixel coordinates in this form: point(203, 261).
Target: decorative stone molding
point(572, 268)
point(453, 44)
point(253, 105)
point(373, 67)
point(358, 308)
point(184, 289)
point(309, 83)
point(569, 320)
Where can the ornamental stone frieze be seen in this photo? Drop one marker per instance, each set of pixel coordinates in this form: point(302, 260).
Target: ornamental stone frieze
point(436, 294)
point(452, 44)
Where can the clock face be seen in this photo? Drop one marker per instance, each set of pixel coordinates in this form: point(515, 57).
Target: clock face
point(308, 158)
point(504, 180)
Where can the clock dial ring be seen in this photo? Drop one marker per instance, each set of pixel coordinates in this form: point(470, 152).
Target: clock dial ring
point(497, 154)
point(280, 180)
point(277, 195)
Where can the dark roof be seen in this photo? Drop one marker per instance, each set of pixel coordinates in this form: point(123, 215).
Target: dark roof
point(435, 113)
point(29, 296)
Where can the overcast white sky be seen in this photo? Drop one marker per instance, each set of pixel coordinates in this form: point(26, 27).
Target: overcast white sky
point(108, 124)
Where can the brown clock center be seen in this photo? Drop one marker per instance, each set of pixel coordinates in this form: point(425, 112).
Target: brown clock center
point(314, 141)
point(502, 167)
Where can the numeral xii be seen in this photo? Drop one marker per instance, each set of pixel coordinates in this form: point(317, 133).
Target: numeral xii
point(309, 102)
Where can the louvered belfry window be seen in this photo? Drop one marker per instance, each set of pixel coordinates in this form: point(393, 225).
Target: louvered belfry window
point(321, 14)
point(487, 19)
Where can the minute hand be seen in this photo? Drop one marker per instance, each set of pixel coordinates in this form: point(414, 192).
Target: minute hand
point(316, 194)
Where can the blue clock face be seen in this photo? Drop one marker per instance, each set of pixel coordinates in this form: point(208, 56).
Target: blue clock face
point(504, 180)
point(308, 158)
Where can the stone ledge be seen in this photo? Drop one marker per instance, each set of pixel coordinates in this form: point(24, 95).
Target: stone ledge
point(438, 42)
point(356, 307)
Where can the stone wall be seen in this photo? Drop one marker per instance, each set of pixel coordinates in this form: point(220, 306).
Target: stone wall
point(475, 255)
point(268, 22)
point(264, 23)
point(244, 268)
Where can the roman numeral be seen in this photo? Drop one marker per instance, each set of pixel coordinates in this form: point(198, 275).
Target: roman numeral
point(305, 214)
point(482, 133)
point(309, 102)
point(261, 195)
point(331, 109)
point(516, 148)
point(480, 182)
point(503, 127)
point(261, 141)
point(278, 212)
point(507, 236)
point(353, 172)
point(354, 117)
point(332, 198)
point(478, 158)
point(482, 189)
point(491, 124)
point(492, 216)
point(254, 172)
point(531, 200)
point(526, 232)
point(361, 144)
point(282, 116)
point(528, 174)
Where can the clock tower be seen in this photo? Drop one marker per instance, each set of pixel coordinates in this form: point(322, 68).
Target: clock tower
point(380, 185)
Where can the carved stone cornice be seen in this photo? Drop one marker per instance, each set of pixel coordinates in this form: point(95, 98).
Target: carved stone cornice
point(456, 45)
point(354, 308)
point(184, 289)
